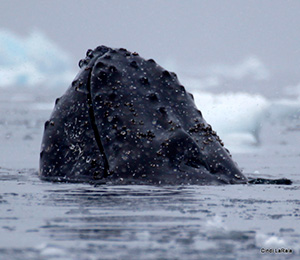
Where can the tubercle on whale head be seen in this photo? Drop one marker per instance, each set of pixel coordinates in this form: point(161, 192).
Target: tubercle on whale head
point(136, 122)
point(99, 51)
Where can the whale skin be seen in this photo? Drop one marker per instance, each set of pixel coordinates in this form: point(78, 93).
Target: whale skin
point(127, 120)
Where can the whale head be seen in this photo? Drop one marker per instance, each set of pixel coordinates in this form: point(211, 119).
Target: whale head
point(127, 120)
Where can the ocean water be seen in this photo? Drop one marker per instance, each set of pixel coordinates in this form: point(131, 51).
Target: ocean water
point(43, 220)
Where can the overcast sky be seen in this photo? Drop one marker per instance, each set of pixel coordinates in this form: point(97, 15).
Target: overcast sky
point(195, 33)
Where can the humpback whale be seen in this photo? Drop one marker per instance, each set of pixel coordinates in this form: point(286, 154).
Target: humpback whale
point(127, 120)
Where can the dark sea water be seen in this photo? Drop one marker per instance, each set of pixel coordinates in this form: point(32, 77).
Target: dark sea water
point(42, 220)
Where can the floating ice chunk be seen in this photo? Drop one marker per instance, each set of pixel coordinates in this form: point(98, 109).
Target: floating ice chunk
point(216, 223)
point(269, 241)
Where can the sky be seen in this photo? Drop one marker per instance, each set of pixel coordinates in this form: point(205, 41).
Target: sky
point(191, 33)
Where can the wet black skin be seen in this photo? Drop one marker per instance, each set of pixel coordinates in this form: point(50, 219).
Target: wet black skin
point(126, 120)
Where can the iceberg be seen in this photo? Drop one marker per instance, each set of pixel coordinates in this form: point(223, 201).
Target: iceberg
point(32, 61)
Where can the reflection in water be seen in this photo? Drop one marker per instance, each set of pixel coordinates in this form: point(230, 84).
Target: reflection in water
point(118, 213)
